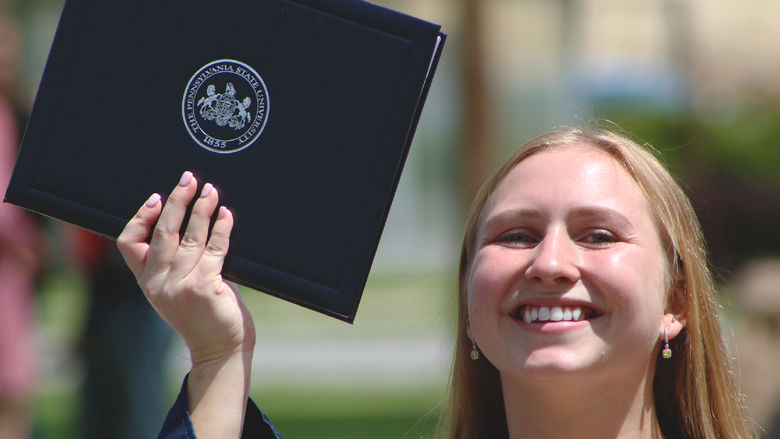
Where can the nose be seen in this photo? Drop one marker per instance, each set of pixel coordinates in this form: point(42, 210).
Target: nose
point(554, 260)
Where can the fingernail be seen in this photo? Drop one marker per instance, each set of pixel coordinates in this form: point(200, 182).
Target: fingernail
point(153, 200)
point(186, 178)
point(206, 190)
point(222, 212)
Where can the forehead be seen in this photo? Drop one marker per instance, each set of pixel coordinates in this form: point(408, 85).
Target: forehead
point(567, 177)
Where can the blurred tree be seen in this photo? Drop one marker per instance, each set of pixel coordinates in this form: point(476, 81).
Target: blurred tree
point(479, 137)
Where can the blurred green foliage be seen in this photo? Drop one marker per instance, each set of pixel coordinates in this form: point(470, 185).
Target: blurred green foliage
point(740, 140)
point(345, 415)
point(354, 414)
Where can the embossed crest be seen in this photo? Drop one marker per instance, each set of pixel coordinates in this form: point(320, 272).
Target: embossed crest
point(225, 106)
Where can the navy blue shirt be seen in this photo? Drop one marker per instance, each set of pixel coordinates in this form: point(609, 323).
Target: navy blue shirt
point(178, 424)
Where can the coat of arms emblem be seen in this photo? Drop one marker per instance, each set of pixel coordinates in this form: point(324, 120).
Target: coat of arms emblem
point(225, 106)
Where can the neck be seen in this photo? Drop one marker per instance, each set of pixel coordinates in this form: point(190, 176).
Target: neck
point(574, 407)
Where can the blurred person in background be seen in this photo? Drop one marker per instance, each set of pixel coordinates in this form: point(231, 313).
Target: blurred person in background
point(123, 345)
point(21, 254)
point(756, 287)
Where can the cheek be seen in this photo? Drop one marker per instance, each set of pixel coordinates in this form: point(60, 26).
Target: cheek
point(631, 278)
point(487, 279)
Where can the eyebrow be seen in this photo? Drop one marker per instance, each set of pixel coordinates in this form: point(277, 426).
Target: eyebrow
point(599, 212)
point(580, 212)
point(510, 214)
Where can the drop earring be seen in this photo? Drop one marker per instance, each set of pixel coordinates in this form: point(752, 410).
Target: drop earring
point(474, 354)
point(474, 351)
point(667, 351)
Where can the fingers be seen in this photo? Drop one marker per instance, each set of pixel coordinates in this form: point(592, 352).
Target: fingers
point(168, 257)
point(165, 238)
point(132, 241)
point(214, 254)
point(194, 240)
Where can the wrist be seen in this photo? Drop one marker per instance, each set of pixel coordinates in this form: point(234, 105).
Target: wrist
point(217, 391)
point(216, 346)
point(205, 359)
point(233, 369)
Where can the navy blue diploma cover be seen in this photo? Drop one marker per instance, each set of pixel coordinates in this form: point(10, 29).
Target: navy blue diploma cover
point(300, 112)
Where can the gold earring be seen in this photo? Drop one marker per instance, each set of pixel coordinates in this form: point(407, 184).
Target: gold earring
point(667, 351)
point(474, 351)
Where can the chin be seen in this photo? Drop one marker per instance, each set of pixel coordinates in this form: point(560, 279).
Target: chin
point(553, 363)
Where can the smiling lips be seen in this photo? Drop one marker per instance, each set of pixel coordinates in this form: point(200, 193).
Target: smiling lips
point(539, 314)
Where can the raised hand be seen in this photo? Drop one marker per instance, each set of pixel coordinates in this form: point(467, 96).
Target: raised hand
point(181, 277)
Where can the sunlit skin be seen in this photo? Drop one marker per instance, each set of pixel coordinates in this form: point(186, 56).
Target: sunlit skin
point(181, 277)
point(569, 227)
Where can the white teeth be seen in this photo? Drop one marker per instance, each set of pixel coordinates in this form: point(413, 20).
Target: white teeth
point(532, 313)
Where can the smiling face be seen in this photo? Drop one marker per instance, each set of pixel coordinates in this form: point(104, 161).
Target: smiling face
point(569, 274)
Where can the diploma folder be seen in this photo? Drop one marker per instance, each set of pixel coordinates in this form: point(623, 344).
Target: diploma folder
point(301, 113)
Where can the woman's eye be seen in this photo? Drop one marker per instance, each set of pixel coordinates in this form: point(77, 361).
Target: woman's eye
point(600, 237)
point(516, 237)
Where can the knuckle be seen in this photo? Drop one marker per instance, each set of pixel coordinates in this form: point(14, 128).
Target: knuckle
point(148, 287)
point(216, 249)
point(202, 207)
point(188, 241)
point(190, 285)
point(180, 197)
point(122, 242)
point(171, 293)
point(163, 232)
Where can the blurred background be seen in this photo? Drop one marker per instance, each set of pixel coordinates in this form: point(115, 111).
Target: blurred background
point(80, 351)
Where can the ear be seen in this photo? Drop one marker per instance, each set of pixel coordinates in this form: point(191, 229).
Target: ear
point(674, 319)
point(673, 323)
point(468, 330)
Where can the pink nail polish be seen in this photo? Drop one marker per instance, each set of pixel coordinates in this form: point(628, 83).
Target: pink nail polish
point(186, 178)
point(222, 212)
point(206, 190)
point(153, 200)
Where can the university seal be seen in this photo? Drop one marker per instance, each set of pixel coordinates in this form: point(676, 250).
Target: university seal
point(225, 106)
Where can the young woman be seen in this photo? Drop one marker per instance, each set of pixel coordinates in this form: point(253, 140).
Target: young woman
point(590, 221)
point(582, 260)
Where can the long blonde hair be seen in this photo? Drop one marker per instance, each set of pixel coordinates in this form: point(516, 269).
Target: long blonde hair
point(695, 395)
